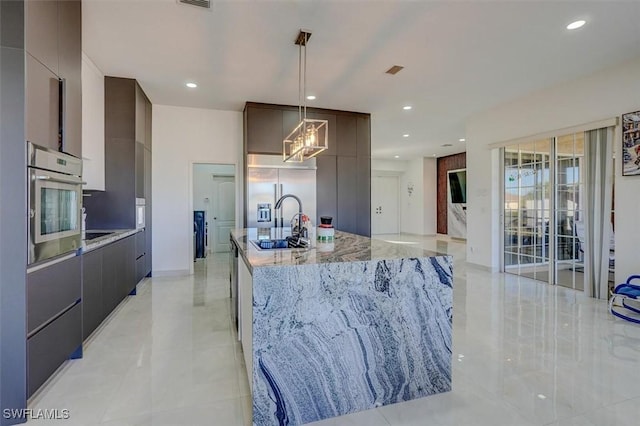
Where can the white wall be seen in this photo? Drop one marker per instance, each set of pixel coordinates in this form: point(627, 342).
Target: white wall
point(398, 166)
point(92, 124)
point(430, 198)
point(182, 137)
point(603, 95)
point(418, 210)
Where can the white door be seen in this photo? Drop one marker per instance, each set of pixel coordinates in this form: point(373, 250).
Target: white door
point(384, 205)
point(224, 212)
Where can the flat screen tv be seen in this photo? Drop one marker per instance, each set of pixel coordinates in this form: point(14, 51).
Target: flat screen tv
point(458, 186)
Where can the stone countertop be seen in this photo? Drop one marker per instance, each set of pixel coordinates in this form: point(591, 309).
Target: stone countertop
point(113, 236)
point(345, 248)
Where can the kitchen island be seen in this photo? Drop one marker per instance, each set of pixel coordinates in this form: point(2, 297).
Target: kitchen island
point(342, 327)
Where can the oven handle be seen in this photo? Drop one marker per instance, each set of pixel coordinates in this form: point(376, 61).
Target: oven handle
point(52, 179)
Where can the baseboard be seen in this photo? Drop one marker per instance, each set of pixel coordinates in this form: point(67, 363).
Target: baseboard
point(171, 273)
point(483, 267)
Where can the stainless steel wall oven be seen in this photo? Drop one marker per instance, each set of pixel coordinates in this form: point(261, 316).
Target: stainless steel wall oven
point(55, 203)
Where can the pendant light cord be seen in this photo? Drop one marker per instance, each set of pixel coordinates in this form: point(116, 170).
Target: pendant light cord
point(300, 83)
point(304, 92)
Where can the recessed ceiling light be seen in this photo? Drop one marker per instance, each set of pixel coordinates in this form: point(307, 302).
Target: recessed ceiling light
point(396, 156)
point(311, 97)
point(576, 24)
point(406, 135)
point(192, 85)
point(433, 155)
point(407, 107)
point(462, 139)
point(541, 396)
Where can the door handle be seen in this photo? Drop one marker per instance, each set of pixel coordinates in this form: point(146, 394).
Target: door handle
point(61, 180)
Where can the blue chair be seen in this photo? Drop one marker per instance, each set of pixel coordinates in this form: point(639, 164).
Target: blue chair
point(626, 293)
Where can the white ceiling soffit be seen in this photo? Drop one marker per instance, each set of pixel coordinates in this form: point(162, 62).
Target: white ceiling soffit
point(459, 58)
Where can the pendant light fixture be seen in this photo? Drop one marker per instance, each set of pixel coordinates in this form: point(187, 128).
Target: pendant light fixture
point(309, 137)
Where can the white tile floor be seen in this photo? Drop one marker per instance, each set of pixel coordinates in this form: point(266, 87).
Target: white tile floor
point(524, 353)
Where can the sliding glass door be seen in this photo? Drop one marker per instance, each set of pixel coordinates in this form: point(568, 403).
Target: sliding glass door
point(569, 213)
point(527, 209)
point(543, 193)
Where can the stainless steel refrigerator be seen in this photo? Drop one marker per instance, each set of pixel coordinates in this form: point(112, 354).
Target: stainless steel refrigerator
point(268, 179)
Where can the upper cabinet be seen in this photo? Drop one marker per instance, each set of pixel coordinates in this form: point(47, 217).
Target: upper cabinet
point(343, 176)
point(127, 112)
point(127, 156)
point(53, 41)
point(70, 71)
point(264, 130)
point(41, 33)
point(41, 104)
point(141, 112)
point(92, 125)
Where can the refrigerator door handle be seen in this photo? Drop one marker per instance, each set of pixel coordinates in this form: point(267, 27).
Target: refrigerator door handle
point(281, 212)
point(275, 199)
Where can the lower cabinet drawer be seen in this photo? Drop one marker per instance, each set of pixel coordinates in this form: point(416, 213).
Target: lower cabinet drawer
point(51, 346)
point(51, 290)
point(141, 268)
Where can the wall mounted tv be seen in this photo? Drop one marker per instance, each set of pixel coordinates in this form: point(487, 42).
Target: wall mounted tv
point(458, 186)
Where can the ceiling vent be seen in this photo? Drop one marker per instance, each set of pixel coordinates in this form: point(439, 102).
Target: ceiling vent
point(205, 4)
point(394, 70)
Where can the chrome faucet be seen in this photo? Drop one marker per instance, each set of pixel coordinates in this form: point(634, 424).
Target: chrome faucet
point(300, 232)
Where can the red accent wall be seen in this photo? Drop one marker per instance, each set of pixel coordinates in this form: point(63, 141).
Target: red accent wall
point(450, 162)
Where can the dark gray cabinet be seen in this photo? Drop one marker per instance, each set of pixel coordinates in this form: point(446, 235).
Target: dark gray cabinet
point(148, 207)
point(290, 119)
point(347, 184)
point(52, 346)
point(119, 259)
point(141, 264)
point(127, 161)
point(363, 136)
point(119, 109)
point(108, 276)
point(363, 196)
point(139, 169)
point(147, 127)
point(332, 133)
point(52, 290)
point(346, 134)
point(92, 299)
point(54, 323)
point(53, 39)
point(42, 108)
point(41, 32)
point(326, 184)
point(264, 130)
point(141, 241)
point(70, 70)
point(343, 177)
point(141, 113)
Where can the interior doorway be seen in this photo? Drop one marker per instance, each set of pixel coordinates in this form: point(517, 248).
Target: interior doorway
point(385, 205)
point(223, 211)
point(214, 201)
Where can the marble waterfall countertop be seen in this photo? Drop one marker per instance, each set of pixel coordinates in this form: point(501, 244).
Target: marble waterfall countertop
point(345, 248)
point(364, 325)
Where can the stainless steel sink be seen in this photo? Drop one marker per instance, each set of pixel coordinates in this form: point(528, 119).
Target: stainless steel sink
point(288, 243)
point(278, 244)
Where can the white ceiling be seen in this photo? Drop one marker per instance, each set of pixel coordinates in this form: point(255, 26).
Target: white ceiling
point(460, 57)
